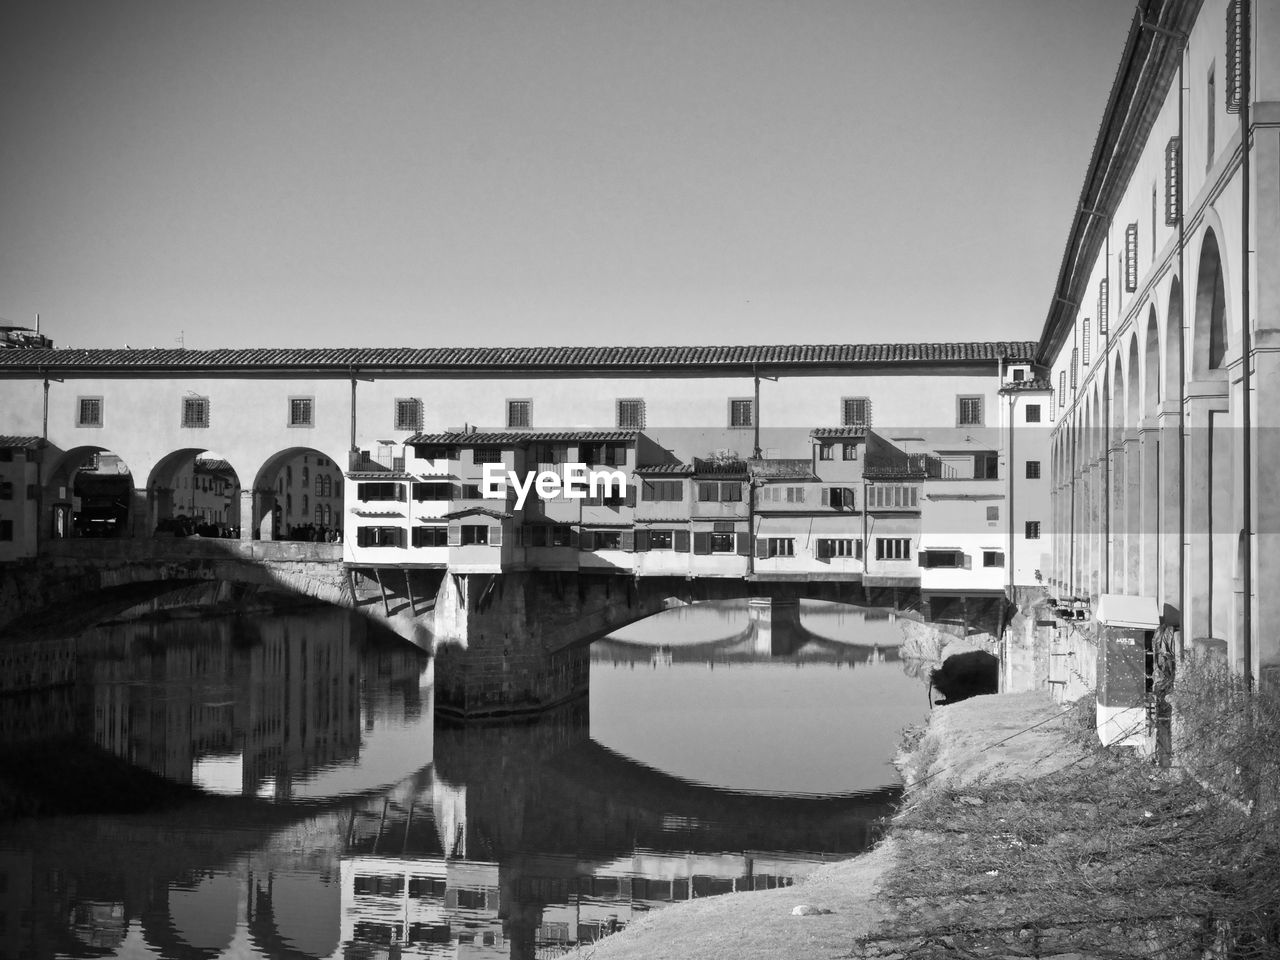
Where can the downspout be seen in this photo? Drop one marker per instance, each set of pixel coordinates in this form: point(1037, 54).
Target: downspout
point(1182, 348)
point(44, 444)
point(755, 412)
point(1246, 342)
point(351, 455)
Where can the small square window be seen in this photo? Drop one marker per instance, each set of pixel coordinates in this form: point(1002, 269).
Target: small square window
point(1033, 529)
point(89, 412)
point(969, 411)
point(1033, 469)
point(993, 514)
point(408, 414)
point(742, 413)
point(195, 412)
point(851, 451)
point(631, 414)
point(1019, 374)
point(993, 558)
point(826, 451)
point(1033, 413)
point(519, 413)
point(855, 411)
point(301, 411)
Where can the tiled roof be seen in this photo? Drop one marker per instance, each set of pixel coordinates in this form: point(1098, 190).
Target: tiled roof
point(782, 469)
point(837, 433)
point(212, 466)
point(383, 474)
point(519, 438)
point(664, 470)
point(477, 511)
point(719, 468)
point(342, 360)
point(13, 442)
point(1038, 385)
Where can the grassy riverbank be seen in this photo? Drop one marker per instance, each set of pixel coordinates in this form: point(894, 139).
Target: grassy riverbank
point(1020, 838)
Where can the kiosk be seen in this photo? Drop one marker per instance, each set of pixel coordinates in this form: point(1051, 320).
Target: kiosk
point(1126, 630)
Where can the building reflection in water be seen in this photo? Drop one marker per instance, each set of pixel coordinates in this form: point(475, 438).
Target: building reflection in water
point(349, 826)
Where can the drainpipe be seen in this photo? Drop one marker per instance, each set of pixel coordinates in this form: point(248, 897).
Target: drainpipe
point(1246, 342)
point(351, 456)
point(1182, 354)
point(755, 412)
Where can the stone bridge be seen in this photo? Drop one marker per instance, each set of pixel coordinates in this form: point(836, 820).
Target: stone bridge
point(504, 643)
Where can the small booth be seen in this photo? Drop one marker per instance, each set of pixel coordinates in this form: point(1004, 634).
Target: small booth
point(1126, 632)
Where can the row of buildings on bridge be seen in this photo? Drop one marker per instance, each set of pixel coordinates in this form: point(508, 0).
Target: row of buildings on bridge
point(911, 465)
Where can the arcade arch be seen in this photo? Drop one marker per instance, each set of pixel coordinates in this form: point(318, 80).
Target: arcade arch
point(89, 492)
point(298, 495)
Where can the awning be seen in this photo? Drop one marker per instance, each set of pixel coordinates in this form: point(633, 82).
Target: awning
point(1121, 610)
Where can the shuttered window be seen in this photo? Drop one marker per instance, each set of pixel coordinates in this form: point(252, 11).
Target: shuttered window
point(1085, 341)
point(1103, 305)
point(1235, 55)
point(1172, 181)
point(1131, 257)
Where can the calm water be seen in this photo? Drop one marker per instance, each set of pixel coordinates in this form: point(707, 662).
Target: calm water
point(339, 819)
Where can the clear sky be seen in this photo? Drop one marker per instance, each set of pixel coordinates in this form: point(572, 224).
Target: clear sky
point(493, 172)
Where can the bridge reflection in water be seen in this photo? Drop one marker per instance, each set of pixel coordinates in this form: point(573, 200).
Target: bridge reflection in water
point(353, 826)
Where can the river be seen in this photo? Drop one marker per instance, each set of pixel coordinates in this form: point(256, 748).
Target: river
point(330, 814)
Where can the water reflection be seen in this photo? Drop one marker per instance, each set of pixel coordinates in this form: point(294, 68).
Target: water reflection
point(339, 820)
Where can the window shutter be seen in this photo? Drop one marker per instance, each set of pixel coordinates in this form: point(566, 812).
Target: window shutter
point(1172, 181)
point(641, 540)
point(762, 548)
point(1084, 341)
point(362, 536)
point(495, 535)
point(587, 540)
point(574, 537)
point(1075, 367)
point(702, 542)
point(857, 549)
point(744, 544)
point(455, 534)
point(966, 561)
point(1131, 257)
point(823, 550)
point(1104, 302)
point(681, 541)
point(629, 540)
point(848, 498)
point(1062, 387)
point(826, 496)
point(1235, 55)
point(923, 559)
point(630, 499)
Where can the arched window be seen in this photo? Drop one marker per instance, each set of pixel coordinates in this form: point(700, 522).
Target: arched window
point(306, 504)
point(328, 515)
point(306, 476)
point(319, 515)
point(320, 478)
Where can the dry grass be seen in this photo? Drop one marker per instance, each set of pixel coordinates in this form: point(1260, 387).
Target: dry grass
point(1109, 857)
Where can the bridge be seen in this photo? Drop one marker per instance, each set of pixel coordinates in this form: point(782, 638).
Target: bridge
point(503, 643)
